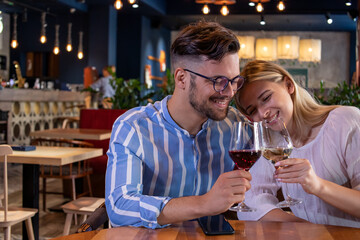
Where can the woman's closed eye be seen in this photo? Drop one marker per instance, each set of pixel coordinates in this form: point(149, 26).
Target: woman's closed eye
point(267, 98)
point(252, 111)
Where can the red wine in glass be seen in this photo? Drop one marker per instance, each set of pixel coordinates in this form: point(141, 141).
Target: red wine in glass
point(244, 159)
point(245, 150)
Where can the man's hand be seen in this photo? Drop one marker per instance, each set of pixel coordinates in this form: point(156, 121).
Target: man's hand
point(229, 188)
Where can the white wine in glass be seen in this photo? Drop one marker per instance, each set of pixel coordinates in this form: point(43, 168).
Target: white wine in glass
point(276, 147)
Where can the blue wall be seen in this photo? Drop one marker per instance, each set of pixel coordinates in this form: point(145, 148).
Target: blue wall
point(154, 39)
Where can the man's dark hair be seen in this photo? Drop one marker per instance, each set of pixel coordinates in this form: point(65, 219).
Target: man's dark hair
point(208, 39)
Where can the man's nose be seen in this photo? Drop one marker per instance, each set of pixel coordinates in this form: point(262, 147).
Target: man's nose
point(229, 90)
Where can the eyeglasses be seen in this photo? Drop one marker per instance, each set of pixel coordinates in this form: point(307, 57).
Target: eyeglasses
point(221, 82)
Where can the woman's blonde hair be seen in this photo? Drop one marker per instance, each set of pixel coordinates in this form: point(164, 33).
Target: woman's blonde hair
point(308, 113)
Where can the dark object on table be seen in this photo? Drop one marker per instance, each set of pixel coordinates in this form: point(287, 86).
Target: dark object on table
point(215, 225)
point(23, 148)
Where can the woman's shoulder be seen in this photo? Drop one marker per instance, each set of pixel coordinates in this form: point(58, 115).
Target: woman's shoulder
point(343, 117)
point(344, 112)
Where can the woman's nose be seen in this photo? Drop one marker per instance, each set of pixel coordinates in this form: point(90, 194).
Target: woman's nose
point(264, 113)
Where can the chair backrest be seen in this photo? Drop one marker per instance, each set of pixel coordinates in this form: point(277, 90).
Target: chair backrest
point(4, 151)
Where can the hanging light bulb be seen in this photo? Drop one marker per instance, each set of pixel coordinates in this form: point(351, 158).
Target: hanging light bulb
point(132, 1)
point(69, 45)
point(262, 20)
point(14, 42)
point(281, 6)
point(224, 10)
point(118, 4)
point(259, 7)
point(206, 9)
point(328, 18)
point(80, 50)
point(43, 28)
point(56, 47)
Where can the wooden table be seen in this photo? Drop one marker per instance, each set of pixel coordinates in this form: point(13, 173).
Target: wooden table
point(243, 230)
point(56, 156)
point(73, 133)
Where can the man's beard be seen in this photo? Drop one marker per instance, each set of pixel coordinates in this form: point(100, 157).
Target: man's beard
point(202, 107)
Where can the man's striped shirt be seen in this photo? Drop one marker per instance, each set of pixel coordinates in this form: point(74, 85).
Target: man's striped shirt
point(152, 159)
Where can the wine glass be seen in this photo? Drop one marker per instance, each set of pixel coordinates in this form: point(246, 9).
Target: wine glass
point(245, 150)
point(277, 146)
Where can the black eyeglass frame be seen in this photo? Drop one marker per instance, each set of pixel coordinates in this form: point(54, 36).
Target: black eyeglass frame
point(213, 79)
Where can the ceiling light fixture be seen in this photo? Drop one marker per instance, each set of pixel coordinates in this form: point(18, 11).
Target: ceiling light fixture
point(69, 44)
point(80, 49)
point(328, 18)
point(206, 9)
point(348, 3)
point(43, 28)
point(281, 6)
point(14, 42)
point(259, 7)
point(262, 20)
point(56, 47)
point(118, 4)
point(353, 15)
point(224, 10)
point(251, 4)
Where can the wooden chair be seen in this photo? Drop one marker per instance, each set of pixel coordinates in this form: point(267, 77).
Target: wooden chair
point(71, 171)
point(84, 206)
point(9, 215)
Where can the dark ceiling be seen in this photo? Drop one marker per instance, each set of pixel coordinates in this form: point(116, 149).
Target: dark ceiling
point(299, 15)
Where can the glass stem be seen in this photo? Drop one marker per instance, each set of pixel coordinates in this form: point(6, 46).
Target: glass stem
point(288, 197)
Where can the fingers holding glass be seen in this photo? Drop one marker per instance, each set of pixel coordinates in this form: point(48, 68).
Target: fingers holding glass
point(277, 146)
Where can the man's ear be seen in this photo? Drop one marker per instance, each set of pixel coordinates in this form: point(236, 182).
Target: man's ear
point(289, 85)
point(180, 78)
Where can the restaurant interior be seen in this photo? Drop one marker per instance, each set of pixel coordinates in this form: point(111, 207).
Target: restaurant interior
point(51, 51)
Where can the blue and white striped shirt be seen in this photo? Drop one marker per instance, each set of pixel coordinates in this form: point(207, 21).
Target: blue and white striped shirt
point(152, 159)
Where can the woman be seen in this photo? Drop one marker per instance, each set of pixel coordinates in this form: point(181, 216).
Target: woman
point(325, 162)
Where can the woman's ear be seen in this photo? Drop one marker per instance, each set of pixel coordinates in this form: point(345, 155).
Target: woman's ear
point(180, 77)
point(289, 85)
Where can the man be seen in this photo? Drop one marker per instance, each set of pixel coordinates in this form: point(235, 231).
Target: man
point(168, 161)
point(103, 84)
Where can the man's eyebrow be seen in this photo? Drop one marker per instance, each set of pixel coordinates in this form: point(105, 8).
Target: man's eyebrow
point(260, 96)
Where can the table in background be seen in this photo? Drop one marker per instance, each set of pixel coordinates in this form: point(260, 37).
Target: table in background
point(73, 133)
point(55, 156)
point(243, 230)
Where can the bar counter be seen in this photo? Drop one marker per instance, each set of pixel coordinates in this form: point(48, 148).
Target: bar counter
point(32, 110)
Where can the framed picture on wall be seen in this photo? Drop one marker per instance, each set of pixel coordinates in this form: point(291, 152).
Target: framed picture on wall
point(300, 75)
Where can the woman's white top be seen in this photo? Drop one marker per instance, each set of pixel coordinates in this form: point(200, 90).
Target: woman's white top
point(334, 155)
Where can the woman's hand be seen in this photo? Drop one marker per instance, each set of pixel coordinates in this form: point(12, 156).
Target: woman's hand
point(297, 170)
